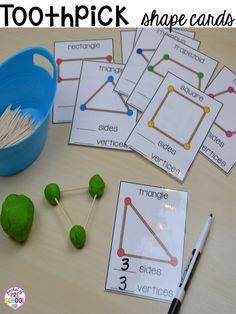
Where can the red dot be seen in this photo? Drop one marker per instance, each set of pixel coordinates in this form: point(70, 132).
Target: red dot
point(59, 61)
point(229, 133)
point(230, 89)
point(128, 201)
point(211, 95)
point(109, 58)
point(120, 252)
point(174, 261)
point(59, 79)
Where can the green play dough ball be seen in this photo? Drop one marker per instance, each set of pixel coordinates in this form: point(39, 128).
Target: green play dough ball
point(52, 192)
point(78, 236)
point(96, 186)
point(17, 216)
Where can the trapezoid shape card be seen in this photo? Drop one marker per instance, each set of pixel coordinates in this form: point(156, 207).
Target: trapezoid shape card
point(148, 241)
point(69, 56)
point(101, 117)
point(220, 144)
point(172, 56)
point(174, 125)
point(147, 42)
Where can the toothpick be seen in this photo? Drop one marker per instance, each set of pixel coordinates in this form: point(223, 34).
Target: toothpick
point(75, 189)
point(69, 221)
point(89, 212)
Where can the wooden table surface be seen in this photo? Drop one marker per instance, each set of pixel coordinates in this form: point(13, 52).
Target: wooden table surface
point(59, 279)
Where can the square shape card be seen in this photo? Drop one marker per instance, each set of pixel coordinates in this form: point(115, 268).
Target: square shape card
point(174, 126)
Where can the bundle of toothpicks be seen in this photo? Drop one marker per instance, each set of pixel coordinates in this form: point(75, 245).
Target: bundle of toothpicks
point(14, 126)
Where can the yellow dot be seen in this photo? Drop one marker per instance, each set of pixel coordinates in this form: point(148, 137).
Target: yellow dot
point(171, 89)
point(187, 146)
point(151, 124)
point(207, 109)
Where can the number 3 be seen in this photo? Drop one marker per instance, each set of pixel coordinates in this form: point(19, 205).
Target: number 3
point(123, 282)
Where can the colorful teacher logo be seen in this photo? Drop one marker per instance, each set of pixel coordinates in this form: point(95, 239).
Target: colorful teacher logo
point(14, 297)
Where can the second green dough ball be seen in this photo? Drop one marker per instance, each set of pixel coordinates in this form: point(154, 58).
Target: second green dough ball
point(78, 236)
point(96, 186)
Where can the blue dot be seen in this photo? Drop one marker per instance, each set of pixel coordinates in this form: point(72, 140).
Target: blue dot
point(139, 51)
point(130, 112)
point(110, 78)
point(83, 107)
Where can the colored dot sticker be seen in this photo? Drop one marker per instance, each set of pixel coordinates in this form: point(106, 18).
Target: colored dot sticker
point(150, 68)
point(229, 133)
point(83, 107)
point(174, 261)
point(211, 95)
point(110, 78)
point(130, 112)
point(59, 79)
point(109, 58)
point(207, 109)
point(230, 89)
point(166, 57)
point(151, 124)
point(171, 89)
point(120, 252)
point(139, 51)
point(59, 61)
point(127, 201)
point(187, 146)
point(200, 75)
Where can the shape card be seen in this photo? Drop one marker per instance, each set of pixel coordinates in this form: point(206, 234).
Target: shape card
point(189, 34)
point(144, 49)
point(146, 253)
point(69, 56)
point(220, 144)
point(102, 117)
point(172, 56)
point(127, 44)
point(174, 126)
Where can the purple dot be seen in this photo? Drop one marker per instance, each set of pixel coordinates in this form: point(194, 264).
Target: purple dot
point(211, 95)
point(230, 89)
point(229, 133)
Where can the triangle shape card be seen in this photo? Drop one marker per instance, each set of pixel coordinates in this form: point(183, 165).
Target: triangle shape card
point(139, 240)
point(100, 100)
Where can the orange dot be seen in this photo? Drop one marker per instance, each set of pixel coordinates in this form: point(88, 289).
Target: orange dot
point(59, 61)
point(109, 58)
point(207, 109)
point(173, 261)
point(187, 146)
point(127, 201)
point(171, 89)
point(120, 252)
point(151, 124)
point(59, 79)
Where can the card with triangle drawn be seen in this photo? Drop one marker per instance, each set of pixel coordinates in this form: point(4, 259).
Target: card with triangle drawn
point(69, 56)
point(101, 117)
point(148, 241)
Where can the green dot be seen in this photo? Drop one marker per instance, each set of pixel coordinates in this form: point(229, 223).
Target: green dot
point(96, 186)
point(150, 68)
point(166, 57)
point(200, 75)
point(78, 236)
point(52, 192)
